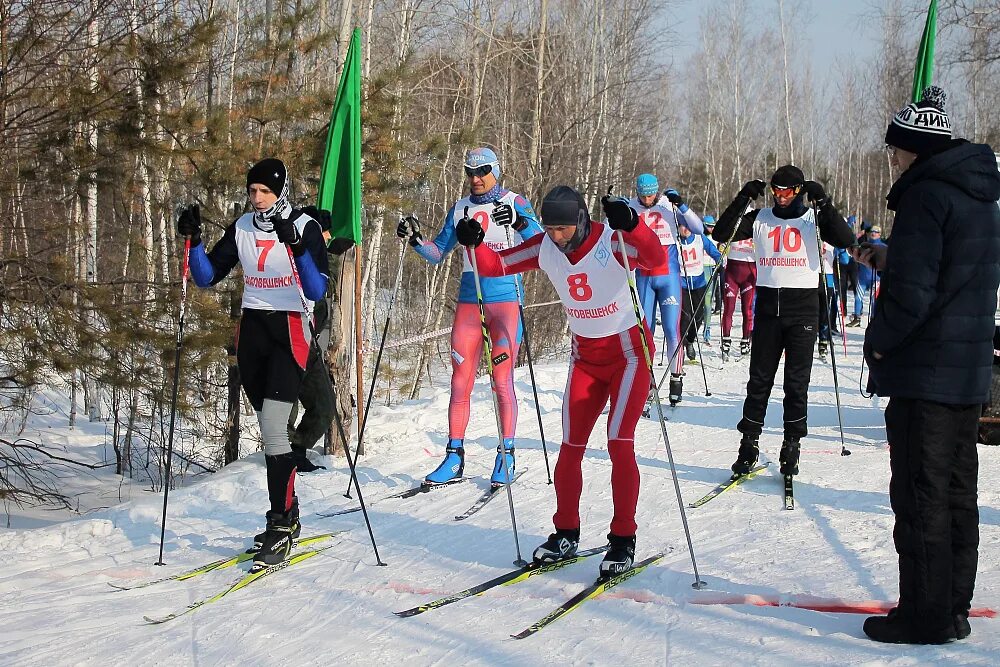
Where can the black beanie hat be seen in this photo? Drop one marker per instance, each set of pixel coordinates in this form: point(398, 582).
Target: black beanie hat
point(788, 176)
point(921, 127)
point(564, 206)
point(270, 172)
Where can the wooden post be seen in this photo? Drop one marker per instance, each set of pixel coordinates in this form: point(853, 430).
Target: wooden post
point(357, 347)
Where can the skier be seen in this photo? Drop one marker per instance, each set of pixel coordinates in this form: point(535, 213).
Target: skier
point(787, 254)
point(662, 286)
point(866, 277)
point(496, 208)
point(713, 296)
point(829, 315)
point(316, 392)
point(273, 336)
point(583, 259)
point(694, 248)
point(741, 282)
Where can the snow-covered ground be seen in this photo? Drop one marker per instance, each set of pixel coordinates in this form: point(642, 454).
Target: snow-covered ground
point(56, 607)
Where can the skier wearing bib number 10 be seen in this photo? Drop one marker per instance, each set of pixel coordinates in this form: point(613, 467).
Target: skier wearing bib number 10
point(497, 209)
point(662, 286)
point(583, 259)
point(787, 309)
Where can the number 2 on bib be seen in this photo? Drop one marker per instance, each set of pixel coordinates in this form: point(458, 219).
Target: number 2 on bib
point(578, 287)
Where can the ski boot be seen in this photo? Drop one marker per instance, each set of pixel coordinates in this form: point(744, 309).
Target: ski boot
point(689, 351)
point(789, 457)
point(744, 348)
point(500, 467)
point(727, 344)
point(258, 539)
point(676, 388)
point(855, 321)
point(276, 545)
point(452, 466)
point(822, 350)
point(619, 557)
point(561, 544)
point(747, 457)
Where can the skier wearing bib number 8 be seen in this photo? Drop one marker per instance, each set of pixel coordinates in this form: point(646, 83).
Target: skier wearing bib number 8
point(787, 308)
point(583, 259)
point(496, 208)
point(661, 287)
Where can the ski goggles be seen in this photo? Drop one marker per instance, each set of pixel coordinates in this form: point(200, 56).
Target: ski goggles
point(779, 191)
point(479, 171)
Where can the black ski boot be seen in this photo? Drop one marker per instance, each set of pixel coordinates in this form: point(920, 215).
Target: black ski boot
point(747, 457)
point(561, 544)
point(789, 456)
point(676, 388)
point(620, 556)
point(258, 539)
point(855, 321)
point(745, 348)
point(727, 344)
point(277, 543)
point(690, 351)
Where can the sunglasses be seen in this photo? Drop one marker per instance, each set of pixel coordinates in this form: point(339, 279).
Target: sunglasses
point(778, 191)
point(478, 171)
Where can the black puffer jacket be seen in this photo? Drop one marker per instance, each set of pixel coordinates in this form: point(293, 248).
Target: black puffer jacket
point(933, 322)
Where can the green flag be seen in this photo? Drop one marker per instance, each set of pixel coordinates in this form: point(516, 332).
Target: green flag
point(340, 177)
point(923, 73)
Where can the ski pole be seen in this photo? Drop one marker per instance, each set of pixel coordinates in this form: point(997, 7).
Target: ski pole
point(531, 369)
point(488, 349)
point(844, 451)
point(687, 285)
point(698, 583)
point(313, 341)
point(178, 344)
point(381, 346)
point(840, 304)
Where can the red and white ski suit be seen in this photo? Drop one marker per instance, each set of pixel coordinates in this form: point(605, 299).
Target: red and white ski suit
point(607, 360)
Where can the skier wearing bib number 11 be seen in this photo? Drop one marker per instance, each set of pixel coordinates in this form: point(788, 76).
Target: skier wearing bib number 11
point(583, 259)
point(787, 309)
point(662, 286)
point(497, 209)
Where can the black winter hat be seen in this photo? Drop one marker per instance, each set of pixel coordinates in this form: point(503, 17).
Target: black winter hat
point(788, 176)
point(564, 206)
point(270, 172)
point(921, 127)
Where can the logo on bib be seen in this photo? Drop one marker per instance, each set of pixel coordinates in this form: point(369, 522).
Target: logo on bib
point(602, 254)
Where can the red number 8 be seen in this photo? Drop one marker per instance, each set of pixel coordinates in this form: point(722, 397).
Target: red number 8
point(578, 287)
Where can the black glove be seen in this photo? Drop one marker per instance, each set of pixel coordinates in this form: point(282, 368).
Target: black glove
point(288, 234)
point(468, 231)
point(674, 197)
point(339, 246)
point(503, 214)
point(322, 217)
point(189, 224)
point(753, 189)
point(817, 195)
point(619, 214)
point(409, 227)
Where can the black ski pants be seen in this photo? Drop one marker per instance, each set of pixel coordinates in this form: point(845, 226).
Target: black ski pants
point(935, 467)
point(772, 336)
point(695, 296)
point(316, 396)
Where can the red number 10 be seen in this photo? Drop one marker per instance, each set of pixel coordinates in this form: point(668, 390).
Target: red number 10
point(792, 239)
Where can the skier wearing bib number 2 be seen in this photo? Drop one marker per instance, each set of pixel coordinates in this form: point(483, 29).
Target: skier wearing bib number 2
point(662, 285)
point(788, 270)
point(583, 259)
point(497, 209)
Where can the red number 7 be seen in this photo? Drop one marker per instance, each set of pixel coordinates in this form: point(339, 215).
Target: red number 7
point(266, 244)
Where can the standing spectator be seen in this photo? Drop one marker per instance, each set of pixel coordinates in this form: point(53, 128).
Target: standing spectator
point(929, 347)
point(866, 277)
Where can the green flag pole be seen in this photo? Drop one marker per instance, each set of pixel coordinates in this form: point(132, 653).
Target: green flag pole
point(923, 72)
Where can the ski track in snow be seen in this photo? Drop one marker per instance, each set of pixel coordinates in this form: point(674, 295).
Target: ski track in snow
point(337, 608)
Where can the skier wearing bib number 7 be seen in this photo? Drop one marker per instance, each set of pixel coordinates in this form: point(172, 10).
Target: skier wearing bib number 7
point(496, 208)
point(788, 270)
point(583, 259)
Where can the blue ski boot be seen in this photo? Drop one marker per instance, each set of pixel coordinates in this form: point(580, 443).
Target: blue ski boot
point(499, 477)
point(452, 466)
